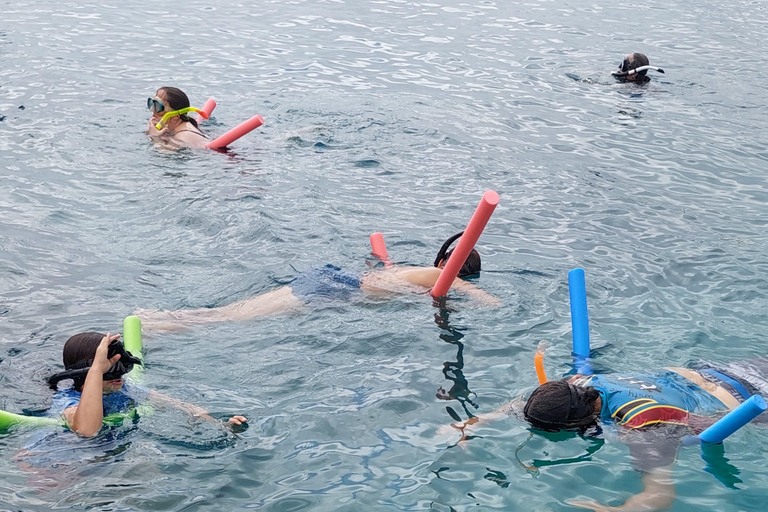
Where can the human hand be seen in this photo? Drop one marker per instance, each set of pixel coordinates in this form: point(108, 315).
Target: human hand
point(237, 420)
point(100, 360)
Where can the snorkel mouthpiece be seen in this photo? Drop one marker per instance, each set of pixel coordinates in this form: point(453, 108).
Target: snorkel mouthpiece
point(180, 112)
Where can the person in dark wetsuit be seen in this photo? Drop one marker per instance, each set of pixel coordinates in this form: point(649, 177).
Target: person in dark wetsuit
point(178, 131)
point(651, 410)
point(322, 285)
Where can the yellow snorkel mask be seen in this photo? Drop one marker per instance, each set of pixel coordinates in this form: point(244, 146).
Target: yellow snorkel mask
point(179, 112)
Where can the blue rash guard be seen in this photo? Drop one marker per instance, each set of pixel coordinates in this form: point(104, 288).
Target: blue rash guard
point(642, 400)
point(51, 447)
point(120, 401)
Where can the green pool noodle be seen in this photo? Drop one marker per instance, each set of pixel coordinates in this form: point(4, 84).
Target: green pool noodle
point(132, 343)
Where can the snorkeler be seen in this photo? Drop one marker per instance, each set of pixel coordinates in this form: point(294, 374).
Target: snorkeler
point(653, 412)
point(97, 364)
point(635, 68)
point(328, 283)
point(169, 124)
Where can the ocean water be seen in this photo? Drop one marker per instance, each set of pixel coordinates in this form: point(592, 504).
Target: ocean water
point(387, 116)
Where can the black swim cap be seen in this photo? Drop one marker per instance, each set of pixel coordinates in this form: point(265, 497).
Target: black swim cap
point(471, 264)
point(559, 405)
point(79, 370)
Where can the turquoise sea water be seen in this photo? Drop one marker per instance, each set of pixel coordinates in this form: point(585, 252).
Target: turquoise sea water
point(380, 116)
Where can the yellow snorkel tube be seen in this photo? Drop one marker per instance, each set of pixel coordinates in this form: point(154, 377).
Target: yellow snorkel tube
point(181, 111)
point(538, 362)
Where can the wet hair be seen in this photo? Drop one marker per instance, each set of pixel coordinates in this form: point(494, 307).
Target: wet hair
point(78, 351)
point(177, 100)
point(559, 405)
point(638, 60)
point(471, 264)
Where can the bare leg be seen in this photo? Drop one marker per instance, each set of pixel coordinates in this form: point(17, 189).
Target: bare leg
point(277, 301)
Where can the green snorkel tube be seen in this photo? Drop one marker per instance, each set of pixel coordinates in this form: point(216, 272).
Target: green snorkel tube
point(159, 126)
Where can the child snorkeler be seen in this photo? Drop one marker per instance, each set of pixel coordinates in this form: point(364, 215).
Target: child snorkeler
point(328, 283)
point(97, 364)
point(176, 129)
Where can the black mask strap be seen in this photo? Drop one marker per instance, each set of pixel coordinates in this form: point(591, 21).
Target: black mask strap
point(79, 371)
point(444, 248)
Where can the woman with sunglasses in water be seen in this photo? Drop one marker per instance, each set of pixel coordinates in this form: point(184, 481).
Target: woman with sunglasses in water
point(328, 284)
point(170, 125)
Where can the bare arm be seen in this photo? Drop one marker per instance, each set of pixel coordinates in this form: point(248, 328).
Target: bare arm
point(476, 293)
point(193, 410)
point(502, 412)
point(658, 494)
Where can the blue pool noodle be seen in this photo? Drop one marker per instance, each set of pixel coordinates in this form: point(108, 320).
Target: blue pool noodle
point(734, 420)
point(577, 288)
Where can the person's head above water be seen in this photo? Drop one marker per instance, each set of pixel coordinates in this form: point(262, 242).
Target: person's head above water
point(471, 264)
point(558, 405)
point(634, 68)
point(169, 99)
point(78, 355)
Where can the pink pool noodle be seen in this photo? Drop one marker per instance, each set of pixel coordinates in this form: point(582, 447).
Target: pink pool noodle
point(236, 132)
point(379, 248)
point(466, 243)
point(207, 108)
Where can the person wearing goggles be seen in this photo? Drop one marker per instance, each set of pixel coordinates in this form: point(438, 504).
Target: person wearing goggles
point(169, 123)
point(652, 412)
point(327, 284)
point(97, 364)
point(635, 68)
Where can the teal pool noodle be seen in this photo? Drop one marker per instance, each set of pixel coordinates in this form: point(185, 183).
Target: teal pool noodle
point(577, 289)
point(734, 420)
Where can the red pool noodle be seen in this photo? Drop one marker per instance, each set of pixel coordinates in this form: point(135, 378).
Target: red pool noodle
point(236, 132)
point(466, 243)
point(207, 108)
point(379, 248)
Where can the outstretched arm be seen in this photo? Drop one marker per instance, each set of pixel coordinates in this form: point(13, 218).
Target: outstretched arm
point(502, 412)
point(658, 494)
point(193, 410)
point(476, 293)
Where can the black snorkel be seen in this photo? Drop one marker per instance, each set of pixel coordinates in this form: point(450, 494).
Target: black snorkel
point(79, 370)
point(468, 268)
